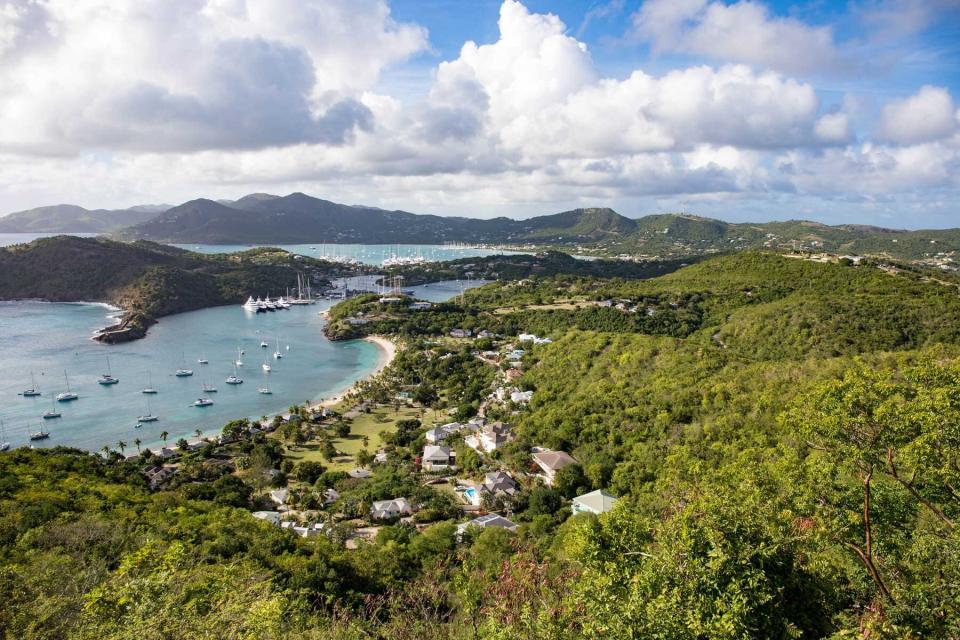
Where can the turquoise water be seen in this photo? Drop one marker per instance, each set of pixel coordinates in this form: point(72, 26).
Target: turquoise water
point(49, 338)
point(366, 253)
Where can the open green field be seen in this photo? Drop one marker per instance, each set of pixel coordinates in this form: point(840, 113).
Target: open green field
point(366, 424)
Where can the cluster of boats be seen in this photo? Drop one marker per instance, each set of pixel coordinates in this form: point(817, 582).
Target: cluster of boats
point(304, 296)
point(108, 379)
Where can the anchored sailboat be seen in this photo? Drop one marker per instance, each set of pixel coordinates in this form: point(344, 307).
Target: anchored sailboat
point(53, 413)
point(67, 395)
point(149, 390)
point(276, 354)
point(32, 392)
point(149, 417)
point(183, 372)
point(107, 379)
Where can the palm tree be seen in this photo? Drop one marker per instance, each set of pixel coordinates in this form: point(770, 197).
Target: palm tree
point(163, 436)
point(106, 451)
point(121, 445)
point(137, 442)
point(198, 433)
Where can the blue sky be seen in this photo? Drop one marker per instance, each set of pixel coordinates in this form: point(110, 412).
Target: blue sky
point(738, 109)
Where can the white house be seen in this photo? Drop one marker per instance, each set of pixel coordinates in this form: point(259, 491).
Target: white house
point(521, 397)
point(330, 496)
point(420, 306)
point(529, 337)
point(436, 435)
point(279, 496)
point(437, 457)
point(461, 333)
point(516, 354)
point(550, 462)
point(386, 509)
point(490, 438)
point(595, 502)
point(273, 517)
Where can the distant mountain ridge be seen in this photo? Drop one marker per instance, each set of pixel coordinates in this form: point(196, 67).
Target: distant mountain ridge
point(262, 218)
point(70, 218)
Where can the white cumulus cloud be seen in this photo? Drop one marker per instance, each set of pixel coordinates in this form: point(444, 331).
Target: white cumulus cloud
point(930, 114)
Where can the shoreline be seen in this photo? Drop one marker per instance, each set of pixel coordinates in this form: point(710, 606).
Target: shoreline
point(389, 352)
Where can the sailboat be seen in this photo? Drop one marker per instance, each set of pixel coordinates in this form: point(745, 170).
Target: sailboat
point(40, 435)
point(266, 367)
point(67, 395)
point(264, 344)
point(149, 417)
point(32, 392)
point(208, 388)
point(203, 359)
point(53, 413)
point(234, 379)
point(276, 354)
point(149, 390)
point(239, 361)
point(107, 379)
point(4, 445)
point(183, 372)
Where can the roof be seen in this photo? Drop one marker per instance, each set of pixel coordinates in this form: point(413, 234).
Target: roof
point(553, 460)
point(598, 501)
point(489, 520)
point(432, 451)
point(398, 504)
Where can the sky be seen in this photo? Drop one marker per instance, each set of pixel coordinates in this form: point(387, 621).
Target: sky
point(744, 110)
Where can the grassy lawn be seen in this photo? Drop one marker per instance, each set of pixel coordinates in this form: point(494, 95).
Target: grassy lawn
point(365, 424)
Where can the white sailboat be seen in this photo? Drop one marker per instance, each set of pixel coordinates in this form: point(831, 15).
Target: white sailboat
point(239, 361)
point(149, 390)
point(107, 379)
point(67, 395)
point(40, 435)
point(276, 354)
point(234, 379)
point(183, 372)
point(148, 417)
point(208, 388)
point(32, 392)
point(203, 359)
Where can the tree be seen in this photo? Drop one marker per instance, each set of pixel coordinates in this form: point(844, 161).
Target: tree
point(163, 436)
point(137, 442)
point(183, 445)
point(901, 425)
point(544, 500)
point(198, 433)
point(121, 445)
point(342, 428)
point(364, 458)
point(571, 481)
point(308, 471)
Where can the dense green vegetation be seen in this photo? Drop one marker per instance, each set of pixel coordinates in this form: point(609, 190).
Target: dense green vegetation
point(783, 436)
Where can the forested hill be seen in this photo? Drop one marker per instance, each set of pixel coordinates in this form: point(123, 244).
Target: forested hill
point(148, 280)
point(68, 218)
point(297, 218)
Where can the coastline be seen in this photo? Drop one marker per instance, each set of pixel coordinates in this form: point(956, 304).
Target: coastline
point(389, 352)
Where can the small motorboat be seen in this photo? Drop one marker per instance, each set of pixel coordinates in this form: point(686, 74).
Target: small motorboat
point(234, 380)
point(203, 402)
point(265, 391)
point(184, 373)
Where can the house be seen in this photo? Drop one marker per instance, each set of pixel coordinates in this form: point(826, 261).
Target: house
point(387, 509)
point(437, 457)
point(461, 333)
point(304, 531)
point(491, 520)
point(158, 475)
point(330, 496)
point(521, 397)
point(356, 322)
point(529, 337)
point(273, 517)
point(380, 458)
point(489, 438)
point(436, 435)
point(550, 462)
point(595, 502)
point(279, 496)
point(486, 334)
point(499, 483)
point(513, 375)
point(359, 473)
point(516, 354)
point(420, 306)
